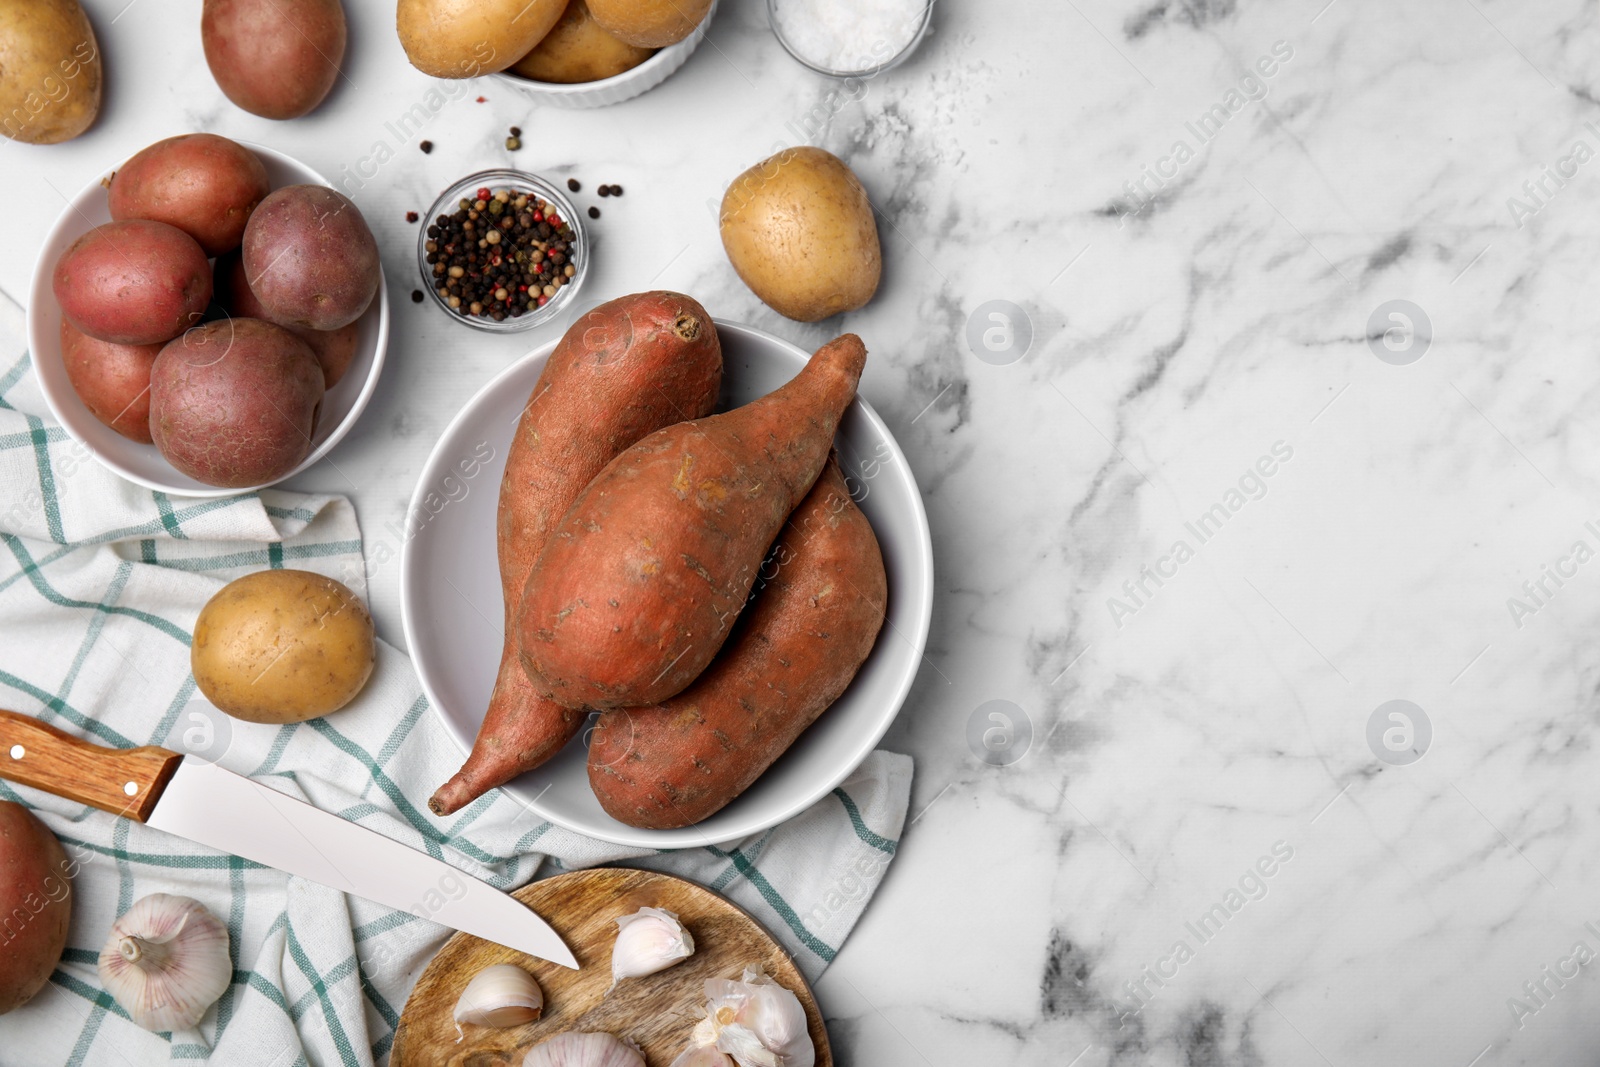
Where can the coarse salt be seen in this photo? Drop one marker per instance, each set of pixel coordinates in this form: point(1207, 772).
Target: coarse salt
point(849, 36)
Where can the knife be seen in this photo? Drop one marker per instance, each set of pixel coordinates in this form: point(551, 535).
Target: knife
point(186, 796)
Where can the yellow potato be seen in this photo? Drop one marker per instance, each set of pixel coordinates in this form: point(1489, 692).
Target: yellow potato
point(799, 230)
point(282, 646)
point(466, 38)
point(649, 23)
point(50, 62)
point(578, 50)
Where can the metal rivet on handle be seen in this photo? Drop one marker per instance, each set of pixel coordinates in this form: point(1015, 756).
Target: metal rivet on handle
point(17, 752)
point(131, 788)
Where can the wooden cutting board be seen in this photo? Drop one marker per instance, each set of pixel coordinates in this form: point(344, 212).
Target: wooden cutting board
point(656, 1012)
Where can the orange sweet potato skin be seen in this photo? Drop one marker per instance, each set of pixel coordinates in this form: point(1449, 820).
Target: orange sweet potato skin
point(637, 588)
point(624, 370)
point(806, 633)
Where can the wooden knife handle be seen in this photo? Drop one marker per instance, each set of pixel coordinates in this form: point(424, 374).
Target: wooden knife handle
point(123, 781)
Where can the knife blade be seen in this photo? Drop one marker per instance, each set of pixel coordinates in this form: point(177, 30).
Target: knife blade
point(188, 797)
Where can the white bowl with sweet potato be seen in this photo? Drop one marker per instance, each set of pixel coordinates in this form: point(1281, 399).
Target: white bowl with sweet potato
point(451, 592)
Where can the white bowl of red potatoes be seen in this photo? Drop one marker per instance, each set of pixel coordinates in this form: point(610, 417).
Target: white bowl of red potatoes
point(209, 319)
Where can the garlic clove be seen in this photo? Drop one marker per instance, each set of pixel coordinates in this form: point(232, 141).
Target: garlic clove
point(166, 962)
point(756, 1021)
point(702, 1056)
point(649, 940)
point(498, 996)
point(745, 1047)
point(575, 1049)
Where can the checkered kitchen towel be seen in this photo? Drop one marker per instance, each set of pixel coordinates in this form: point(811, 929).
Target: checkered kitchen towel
point(100, 583)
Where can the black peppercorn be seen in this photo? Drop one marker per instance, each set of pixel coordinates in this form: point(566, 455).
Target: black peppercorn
point(492, 260)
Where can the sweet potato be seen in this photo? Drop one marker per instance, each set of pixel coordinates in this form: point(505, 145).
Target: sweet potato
point(637, 587)
point(793, 651)
point(624, 370)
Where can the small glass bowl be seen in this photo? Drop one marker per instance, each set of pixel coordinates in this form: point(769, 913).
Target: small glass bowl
point(866, 72)
point(450, 201)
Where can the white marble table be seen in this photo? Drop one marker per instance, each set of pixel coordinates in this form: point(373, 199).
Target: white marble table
point(1199, 857)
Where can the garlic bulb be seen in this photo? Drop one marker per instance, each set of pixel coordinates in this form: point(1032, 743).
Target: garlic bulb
point(574, 1049)
point(166, 962)
point(756, 1021)
point(649, 940)
point(501, 995)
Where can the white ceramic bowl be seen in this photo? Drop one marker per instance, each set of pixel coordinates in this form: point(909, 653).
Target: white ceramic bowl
point(141, 463)
point(619, 87)
point(450, 596)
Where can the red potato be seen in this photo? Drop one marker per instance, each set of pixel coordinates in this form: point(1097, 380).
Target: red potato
point(624, 370)
point(334, 349)
point(274, 58)
point(134, 282)
point(203, 184)
point(234, 403)
point(637, 587)
point(112, 380)
point(310, 258)
point(35, 904)
point(791, 655)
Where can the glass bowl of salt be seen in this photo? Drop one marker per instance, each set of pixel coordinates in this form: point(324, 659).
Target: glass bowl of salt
point(850, 38)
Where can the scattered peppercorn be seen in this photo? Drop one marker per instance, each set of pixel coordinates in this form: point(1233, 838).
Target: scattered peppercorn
point(411, 216)
point(573, 185)
point(616, 190)
point(426, 146)
point(501, 254)
point(604, 190)
point(416, 296)
point(516, 131)
point(513, 143)
point(594, 212)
